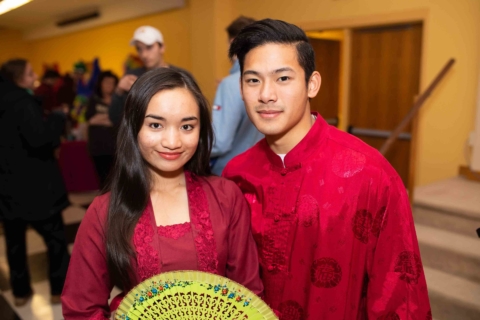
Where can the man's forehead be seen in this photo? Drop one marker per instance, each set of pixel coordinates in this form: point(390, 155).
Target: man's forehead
point(271, 57)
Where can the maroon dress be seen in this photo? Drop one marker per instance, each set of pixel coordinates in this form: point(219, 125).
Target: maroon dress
point(334, 230)
point(218, 240)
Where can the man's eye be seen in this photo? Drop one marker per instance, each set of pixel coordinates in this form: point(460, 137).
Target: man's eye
point(284, 78)
point(252, 80)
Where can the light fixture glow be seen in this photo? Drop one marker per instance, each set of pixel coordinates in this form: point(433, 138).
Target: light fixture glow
point(8, 5)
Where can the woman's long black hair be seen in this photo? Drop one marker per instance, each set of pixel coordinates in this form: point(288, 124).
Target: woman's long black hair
point(130, 180)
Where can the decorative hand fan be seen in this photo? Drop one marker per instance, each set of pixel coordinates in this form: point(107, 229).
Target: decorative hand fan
point(191, 295)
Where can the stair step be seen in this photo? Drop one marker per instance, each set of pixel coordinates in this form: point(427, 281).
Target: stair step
point(449, 252)
point(458, 223)
point(452, 297)
point(457, 195)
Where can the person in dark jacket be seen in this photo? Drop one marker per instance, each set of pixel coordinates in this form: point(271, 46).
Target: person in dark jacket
point(32, 191)
point(101, 135)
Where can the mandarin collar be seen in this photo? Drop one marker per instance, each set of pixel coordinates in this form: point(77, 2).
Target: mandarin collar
point(302, 151)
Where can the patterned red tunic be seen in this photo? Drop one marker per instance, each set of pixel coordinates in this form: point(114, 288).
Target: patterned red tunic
point(334, 230)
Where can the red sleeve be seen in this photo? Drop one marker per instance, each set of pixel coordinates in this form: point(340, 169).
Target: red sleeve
point(242, 263)
point(87, 287)
point(396, 282)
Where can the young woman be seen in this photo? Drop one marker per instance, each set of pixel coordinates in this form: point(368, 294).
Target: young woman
point(32, 191)
point(164, 211)
point(101, 134)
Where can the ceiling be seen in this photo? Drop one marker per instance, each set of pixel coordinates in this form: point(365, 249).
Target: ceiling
point(37, 19)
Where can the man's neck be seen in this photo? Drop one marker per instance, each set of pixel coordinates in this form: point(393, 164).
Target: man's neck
point(162, 64)
point(283, 144)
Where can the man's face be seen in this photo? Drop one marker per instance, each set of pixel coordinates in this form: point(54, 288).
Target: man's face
point(274, 91)
point(151, 55)
point(28, 79)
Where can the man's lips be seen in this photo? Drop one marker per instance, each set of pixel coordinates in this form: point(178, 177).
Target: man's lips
point(170, 155)
point(268, 114)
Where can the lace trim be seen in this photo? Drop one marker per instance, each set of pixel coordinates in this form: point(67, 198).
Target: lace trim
point(203, 231)
point(147, 257)
point(175, 231)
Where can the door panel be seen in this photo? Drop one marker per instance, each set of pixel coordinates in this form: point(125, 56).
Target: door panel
point(385, 75)
point(327, 60)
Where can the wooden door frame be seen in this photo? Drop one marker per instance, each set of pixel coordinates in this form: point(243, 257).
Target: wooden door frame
point(347, 24)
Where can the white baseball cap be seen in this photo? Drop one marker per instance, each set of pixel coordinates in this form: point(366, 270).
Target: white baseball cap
point(147, 35)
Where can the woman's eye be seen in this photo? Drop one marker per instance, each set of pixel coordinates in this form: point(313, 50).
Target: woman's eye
point(155, 125)
point(187, 127)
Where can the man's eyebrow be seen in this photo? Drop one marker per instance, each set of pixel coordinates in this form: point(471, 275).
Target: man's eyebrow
point(284, 69)
point(252, 72)
point(256, 73)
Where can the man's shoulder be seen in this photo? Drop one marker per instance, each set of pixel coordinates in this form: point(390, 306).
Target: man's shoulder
point(248, 159)
point(347, 147)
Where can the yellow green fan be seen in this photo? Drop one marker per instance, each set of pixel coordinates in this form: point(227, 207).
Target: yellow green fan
point(191, 295)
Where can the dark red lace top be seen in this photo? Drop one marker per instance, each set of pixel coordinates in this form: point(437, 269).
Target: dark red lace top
point(218, 239)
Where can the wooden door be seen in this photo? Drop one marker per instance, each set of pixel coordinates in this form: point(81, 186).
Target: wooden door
point(327, 60)
point(384, 80)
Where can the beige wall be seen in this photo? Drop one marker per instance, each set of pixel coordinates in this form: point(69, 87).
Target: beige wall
point(451, 29)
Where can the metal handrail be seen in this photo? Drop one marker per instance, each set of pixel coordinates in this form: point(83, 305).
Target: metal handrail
point(376, 133)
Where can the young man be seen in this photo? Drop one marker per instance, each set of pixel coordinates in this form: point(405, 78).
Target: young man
point(150, 47)
point(330, 216)
point(234, 132)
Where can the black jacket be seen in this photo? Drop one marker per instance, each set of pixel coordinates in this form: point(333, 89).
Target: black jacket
point(31, 185)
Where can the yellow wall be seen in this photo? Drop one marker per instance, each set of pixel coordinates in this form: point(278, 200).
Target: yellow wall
point(12, 46)
point(451, 29)
point(111, 43)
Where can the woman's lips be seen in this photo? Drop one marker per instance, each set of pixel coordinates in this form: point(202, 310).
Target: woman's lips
point(170, 155)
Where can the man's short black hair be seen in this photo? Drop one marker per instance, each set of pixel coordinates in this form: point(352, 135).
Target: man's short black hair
point(274, 31)
point(237, 25)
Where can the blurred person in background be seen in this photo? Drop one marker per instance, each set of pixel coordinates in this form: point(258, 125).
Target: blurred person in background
point(234, 132)
point(101, 135)
point(46, 90)
point(32, 190)
point(150, 46)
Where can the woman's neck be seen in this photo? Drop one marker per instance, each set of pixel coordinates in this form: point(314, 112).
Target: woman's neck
point(169, 181)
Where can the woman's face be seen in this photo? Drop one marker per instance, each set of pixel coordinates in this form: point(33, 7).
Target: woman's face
point(28, 79)
point(170, 132)
point(108, 85)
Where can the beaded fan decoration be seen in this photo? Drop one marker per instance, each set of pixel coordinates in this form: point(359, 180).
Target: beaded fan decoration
point(191, 295)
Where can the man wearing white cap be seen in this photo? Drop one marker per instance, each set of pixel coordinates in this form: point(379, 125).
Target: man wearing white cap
point(150, 47)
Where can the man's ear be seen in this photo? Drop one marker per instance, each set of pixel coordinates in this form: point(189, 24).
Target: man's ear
point(314, 84)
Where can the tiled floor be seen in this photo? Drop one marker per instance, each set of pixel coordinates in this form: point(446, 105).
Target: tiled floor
point(39, 307)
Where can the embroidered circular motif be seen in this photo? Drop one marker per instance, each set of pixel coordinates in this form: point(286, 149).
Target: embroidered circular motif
point(291, 310)
point(362, 222)
point(348, 163)
point(325, 273)
point(308, 211)
point(390, 316)
point(379, 222)
point(409, 266)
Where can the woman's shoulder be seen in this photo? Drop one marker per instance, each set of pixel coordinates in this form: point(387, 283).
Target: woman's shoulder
point(223, 186)
point(99, 206)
